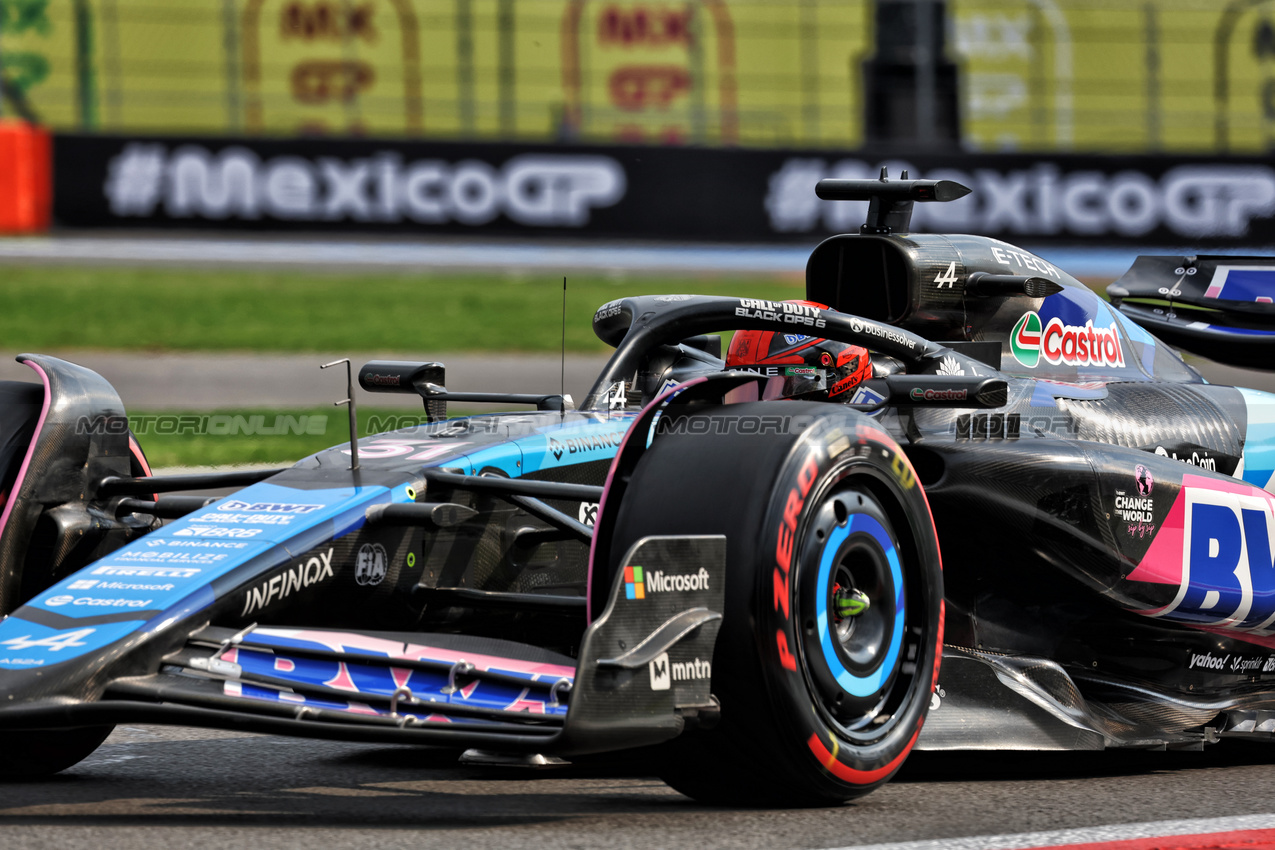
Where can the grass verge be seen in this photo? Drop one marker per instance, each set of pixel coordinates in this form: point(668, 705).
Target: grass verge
point(246, 435)
point(55, 307)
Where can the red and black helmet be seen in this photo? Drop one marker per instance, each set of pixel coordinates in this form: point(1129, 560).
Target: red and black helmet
point(811, 366)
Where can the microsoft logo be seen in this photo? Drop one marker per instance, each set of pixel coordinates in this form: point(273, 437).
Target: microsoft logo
point(634, 586)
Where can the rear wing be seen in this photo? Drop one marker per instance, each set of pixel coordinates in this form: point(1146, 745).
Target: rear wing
point(1219, 307)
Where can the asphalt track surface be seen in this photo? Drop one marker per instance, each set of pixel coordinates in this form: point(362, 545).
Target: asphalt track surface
point(160, 788)
point(204, 381)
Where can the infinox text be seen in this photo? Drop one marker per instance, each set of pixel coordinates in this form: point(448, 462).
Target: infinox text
point(301, 575)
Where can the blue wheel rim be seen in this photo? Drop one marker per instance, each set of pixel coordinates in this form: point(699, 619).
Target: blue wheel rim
point(872, 682)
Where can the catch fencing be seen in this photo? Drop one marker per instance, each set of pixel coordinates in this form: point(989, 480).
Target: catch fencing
point(1125, 76)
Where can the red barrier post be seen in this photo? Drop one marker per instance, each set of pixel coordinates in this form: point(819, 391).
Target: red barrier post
point(26, 177)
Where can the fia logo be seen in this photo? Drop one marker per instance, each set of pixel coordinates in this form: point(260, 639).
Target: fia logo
point(370, 567)
point(661, 675)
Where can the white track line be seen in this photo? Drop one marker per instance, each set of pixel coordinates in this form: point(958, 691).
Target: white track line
point(1087, 835)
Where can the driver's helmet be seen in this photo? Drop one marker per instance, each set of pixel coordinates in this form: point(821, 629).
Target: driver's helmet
point(812, 368)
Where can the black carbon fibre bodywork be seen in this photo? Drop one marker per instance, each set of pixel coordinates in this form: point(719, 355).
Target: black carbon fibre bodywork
point(1104, 517)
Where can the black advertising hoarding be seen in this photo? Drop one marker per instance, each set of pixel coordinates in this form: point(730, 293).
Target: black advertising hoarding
point(736, 195)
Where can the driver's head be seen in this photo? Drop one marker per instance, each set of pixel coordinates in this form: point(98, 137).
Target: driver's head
point(813, 368)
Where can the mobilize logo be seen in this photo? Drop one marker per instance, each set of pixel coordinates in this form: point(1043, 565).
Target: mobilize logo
point(301, 575)
point(665, 672)
point(1071, 345)
point(638, 582)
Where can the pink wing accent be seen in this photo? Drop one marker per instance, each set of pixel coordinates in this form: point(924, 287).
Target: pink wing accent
point(342, 681)
point(1163, 562)
point(400, 676)
point(345, 641)
point(532, 706)
point(26, 461)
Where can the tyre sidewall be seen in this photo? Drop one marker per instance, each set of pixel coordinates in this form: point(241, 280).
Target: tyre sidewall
point(830, 455)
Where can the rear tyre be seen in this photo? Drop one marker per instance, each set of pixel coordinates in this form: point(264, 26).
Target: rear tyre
point(829, 647)
point(31, 755)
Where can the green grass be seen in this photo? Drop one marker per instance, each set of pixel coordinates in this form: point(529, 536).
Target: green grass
point(54, 307)
point(240, 436)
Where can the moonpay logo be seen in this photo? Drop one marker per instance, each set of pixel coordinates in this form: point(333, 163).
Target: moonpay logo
point(1024, 341)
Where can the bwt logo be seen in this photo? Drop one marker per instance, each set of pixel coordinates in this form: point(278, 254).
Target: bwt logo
point(539, 190)
point(1228, 565)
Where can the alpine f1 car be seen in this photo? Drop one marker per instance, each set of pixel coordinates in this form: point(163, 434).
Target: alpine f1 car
point(968, 504)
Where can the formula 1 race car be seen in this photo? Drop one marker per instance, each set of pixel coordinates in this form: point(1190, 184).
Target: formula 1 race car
point(700, 562)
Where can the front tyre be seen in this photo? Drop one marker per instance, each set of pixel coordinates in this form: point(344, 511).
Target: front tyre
point(833, 625)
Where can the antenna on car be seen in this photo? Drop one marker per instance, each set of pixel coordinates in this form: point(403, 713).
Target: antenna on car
point(349, 400)
point(562, 374)
point(889, 202)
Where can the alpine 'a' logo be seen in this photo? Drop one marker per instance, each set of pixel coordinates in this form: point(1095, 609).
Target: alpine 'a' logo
point(1071, 345)
point(1025, 340)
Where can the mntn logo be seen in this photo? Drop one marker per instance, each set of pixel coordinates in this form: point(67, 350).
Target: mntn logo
point(634, 585)
point(660, 673)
